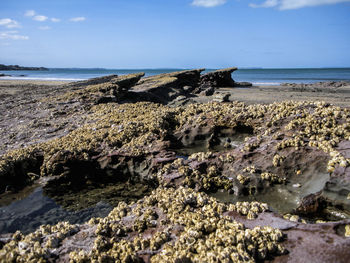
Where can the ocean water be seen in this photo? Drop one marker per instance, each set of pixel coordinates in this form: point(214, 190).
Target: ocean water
point(256, 76)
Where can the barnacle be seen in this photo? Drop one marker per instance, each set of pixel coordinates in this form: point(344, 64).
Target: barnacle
point(205, 233)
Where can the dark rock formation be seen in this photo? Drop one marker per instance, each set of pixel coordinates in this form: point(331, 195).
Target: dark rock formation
point(218, 78)
point(311, 204)
point(106, 89)
point(166, 87)
point(4, 75)
point(215, 79)
point(16, 67)
point(93, 81)
point(243, 84)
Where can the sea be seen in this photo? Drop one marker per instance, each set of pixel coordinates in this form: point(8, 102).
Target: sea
point(258, 76)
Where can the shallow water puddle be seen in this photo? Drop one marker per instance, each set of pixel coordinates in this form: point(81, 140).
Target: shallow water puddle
point(221, 143)
point(111, 193)
point(283, 198)
point(36, 205)
point(28, 213)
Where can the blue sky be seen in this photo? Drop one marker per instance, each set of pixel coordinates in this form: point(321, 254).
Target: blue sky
point(175, 34)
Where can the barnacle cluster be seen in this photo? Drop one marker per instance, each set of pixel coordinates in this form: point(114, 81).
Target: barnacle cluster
point(242, 179)
point(196, 230)
point(249, 209)
point(347, 230)
point(294, 218)
point(185, 224)
point(277, 160)
point(37, 246)
point(273, 178)
point(250, 146)
point(137, 128)
point(209, 180)
point(296, 142)
point(201, 156)
point(324, 127)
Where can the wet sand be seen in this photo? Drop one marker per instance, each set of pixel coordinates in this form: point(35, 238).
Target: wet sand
point(270, 94)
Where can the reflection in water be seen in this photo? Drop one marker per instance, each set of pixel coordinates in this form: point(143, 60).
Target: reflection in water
point(283, 198)
point(221, 143)
point(36, 209)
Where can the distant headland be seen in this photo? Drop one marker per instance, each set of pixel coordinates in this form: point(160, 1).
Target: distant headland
point(16, 67)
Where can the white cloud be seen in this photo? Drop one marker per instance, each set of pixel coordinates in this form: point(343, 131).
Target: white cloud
point(77, 19)
point(40, 18)
point(44, 27)
point(208, 3)
point(295, 4)
point(12, 35)
point(29, 13)
point(267, 3)
point(9, 23)
point(55, 19)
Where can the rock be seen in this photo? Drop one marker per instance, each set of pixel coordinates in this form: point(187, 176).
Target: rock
point(106, 89)
point(243, 84)
point(208, 91)
point(4, 75)
point(166, 87)
point(180, 98)
point(311, 204)
point(218, 78)
point(106, 99)
point(176, 80)
point(169, 158)
point(188, 88)
point(179, 101)
point(93, 81)
point(222, 97)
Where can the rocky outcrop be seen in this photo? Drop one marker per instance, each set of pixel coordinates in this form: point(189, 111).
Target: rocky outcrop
point(176, 158)
point(215, 79)
point(175, 88)
point(108, 89)
point(4, 75)
point(16, 67)
point(164, 88)
point(243, 84)
point(93, 81)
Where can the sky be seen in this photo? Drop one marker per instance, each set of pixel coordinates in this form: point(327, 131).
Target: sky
point(175, 33)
